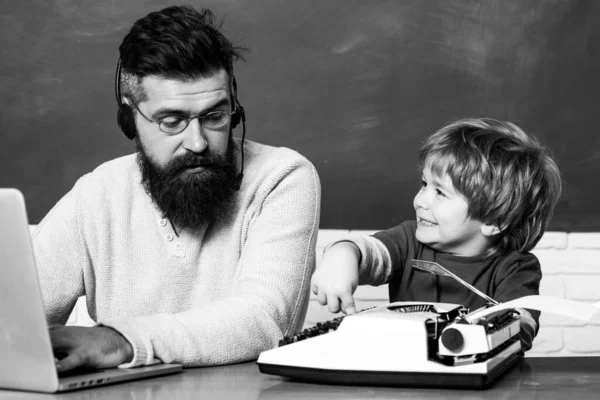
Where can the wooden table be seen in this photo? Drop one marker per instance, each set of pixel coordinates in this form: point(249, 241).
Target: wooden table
point(534, 378)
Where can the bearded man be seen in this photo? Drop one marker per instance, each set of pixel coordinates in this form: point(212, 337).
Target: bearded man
point(199, 248)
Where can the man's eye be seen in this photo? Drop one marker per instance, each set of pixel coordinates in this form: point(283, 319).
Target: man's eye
point(172, 121)
point(214, 117)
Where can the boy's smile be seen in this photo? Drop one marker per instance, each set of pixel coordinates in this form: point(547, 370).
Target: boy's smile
point(422, 221)
point(442, 218)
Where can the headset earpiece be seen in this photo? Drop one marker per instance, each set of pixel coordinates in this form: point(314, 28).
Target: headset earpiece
point(125, 119)
point(238, 116)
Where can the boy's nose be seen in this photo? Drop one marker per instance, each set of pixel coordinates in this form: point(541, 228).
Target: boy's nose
point(420, 200)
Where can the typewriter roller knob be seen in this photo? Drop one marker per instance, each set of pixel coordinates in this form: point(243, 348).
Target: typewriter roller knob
point(453, 339)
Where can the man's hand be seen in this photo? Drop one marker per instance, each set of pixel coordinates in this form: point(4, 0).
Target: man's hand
point(96, 347)
point(336, 278)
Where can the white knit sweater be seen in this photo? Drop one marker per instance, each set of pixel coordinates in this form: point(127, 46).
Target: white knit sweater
point(217, 295)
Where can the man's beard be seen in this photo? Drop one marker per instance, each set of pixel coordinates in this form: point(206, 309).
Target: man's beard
point(190, 200)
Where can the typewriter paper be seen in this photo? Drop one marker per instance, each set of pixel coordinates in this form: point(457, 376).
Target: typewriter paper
point(549, 304)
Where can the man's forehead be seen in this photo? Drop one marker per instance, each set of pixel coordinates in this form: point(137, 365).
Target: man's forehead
point(158, 88)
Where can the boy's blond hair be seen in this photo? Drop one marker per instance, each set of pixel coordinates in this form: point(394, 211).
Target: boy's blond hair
point(508, 177)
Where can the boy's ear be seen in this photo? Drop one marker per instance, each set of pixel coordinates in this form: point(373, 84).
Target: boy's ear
point(490, 230)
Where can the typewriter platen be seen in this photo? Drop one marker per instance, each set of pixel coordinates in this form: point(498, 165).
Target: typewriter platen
point(401, 344)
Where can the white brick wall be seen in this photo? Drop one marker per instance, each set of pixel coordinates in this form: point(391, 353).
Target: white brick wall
point(571, 269)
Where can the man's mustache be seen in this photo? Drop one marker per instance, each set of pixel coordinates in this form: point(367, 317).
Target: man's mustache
point(194, 160)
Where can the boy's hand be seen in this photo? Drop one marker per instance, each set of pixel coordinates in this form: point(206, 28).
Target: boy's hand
point(336, 279)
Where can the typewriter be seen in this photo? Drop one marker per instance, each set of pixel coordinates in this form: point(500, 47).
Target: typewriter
point(402, 344)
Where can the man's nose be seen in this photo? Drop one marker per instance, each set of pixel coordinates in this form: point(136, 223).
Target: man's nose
point(194, 139)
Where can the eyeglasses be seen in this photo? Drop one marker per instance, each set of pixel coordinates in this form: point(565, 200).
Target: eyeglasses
point(174, 124)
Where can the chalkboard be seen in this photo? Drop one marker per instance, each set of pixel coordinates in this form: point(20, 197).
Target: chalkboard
point(355, 86)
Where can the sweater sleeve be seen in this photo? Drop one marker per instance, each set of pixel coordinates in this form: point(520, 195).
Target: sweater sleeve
point(382, 255)
point(522, 278)
point(61, 258)
point(268, 299)
point(375, 264)
point(397, 242)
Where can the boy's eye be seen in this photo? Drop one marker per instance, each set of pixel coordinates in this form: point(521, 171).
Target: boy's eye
point(423, 183)
point(439, 193)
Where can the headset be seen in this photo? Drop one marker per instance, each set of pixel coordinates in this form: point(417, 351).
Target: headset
point(126, 120)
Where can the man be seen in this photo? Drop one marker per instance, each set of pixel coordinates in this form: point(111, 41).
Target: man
point(181, 260)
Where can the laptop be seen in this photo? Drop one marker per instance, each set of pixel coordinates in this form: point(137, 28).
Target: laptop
point(26, 357)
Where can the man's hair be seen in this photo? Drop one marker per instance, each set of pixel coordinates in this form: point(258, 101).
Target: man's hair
point(508, 178)
point(176, 42)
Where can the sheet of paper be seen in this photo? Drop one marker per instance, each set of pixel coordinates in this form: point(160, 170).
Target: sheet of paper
point(549, 304)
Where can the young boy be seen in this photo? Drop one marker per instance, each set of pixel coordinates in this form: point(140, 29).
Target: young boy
point(487, 193)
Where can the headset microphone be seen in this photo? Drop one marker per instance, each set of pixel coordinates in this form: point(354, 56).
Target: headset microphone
point(239, 115)
point(238, 179)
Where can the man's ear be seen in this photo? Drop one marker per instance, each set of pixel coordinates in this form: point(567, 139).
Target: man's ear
point(490, 230)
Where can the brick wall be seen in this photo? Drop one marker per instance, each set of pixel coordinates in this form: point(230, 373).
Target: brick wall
point(571, 268)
